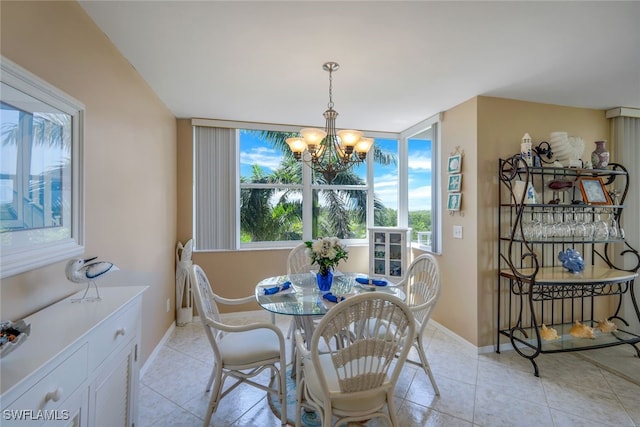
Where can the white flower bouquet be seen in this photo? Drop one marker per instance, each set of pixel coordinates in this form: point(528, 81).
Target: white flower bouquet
point(327, 252)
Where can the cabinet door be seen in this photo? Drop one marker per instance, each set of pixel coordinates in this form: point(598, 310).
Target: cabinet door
point(112, 394)
point(397, 247)
point(73, 412)
point(379, 239)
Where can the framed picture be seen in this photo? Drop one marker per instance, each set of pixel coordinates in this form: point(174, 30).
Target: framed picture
point(453, 201)
point(594, 192)
point(454, 164)
point(455, 183)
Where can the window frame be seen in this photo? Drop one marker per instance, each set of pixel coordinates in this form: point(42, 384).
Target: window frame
point(307, 187)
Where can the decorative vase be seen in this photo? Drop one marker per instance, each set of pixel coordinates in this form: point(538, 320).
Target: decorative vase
point(600, 156)
point(324, 281)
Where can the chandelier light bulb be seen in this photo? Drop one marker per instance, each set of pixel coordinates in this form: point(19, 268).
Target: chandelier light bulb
point(313, 136)
point(297, 146)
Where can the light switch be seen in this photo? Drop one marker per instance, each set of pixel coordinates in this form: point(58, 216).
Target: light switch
point(457, 232)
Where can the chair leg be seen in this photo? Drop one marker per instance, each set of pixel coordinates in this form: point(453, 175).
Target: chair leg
point(282, 392)
point(426, 367)
point(392, 408)
point(211, 377)
point(292, 328)
point(215, 395)
point(299, 385)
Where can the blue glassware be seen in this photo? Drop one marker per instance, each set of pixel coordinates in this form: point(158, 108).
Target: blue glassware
point(324, 281)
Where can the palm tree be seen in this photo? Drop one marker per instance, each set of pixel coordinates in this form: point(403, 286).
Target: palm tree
point(344, 207)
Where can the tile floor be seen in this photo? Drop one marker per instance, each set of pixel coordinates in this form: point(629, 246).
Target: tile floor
point(476, 390)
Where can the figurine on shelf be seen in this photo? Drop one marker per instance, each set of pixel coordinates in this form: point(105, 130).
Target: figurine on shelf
point(606, 325)
point(571, 260)
point(580, 330)
point(80, 270)
point(548, 334)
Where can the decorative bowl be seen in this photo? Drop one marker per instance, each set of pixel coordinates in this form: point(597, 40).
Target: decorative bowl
point(12, 335)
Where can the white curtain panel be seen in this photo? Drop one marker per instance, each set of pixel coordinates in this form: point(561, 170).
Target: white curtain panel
point(626, 140)
point(216, 193)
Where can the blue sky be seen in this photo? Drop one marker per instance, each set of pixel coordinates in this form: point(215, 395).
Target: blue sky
point(254, 151)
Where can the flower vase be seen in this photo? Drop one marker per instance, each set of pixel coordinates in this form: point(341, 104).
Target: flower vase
point(600, 156)
point(324, 281)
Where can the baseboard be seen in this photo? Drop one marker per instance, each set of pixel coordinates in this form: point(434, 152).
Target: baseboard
point(157, 348)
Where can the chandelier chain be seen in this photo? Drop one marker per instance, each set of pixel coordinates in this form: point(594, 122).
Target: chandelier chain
point(330, 104)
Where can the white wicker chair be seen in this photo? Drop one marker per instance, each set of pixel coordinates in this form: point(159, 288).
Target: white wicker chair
point(422, 287)
point(240, 352)
point(348, 373)
point(298, 261)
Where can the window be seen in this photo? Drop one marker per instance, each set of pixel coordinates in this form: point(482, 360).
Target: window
point(40, 172)
point(420, 188)
point(281, 201)
point(272, 187)
point(420, 176)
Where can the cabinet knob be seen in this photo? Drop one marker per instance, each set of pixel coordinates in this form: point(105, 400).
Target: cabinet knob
point(121, 331)
point(54, 395)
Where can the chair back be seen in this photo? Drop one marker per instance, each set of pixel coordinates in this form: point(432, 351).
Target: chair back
point(422, 286)
point(298, 261)
point(206, 305)
point(362, 361)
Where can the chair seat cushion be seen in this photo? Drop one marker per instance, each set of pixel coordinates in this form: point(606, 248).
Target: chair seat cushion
point(242, 348)
point(347, 402)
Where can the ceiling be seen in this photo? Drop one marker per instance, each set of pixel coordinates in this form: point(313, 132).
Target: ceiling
point(400, 62)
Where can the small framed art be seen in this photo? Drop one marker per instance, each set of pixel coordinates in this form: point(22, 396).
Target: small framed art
point(455, 183)
point(453, 201)
point(454, 164)
point(594, 192)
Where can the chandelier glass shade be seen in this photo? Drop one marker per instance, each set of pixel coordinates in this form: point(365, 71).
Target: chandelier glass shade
point(328, 151)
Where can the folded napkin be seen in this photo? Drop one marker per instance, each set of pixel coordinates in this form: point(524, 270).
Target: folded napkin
point(276, 289)
point(330, 297)
point(367, 281)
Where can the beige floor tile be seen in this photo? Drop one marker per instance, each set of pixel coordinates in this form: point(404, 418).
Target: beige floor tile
point(476, 390)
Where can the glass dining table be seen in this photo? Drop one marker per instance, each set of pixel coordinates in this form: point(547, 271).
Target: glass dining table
point(304, 301)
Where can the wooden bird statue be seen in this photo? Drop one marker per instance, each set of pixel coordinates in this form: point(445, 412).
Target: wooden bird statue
point(80, 270)
point(580, 330)
point(548, 334)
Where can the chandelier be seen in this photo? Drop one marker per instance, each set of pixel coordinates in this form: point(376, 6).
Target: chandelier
point(328, 151)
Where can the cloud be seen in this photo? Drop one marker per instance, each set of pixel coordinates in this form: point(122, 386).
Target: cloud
point(420, 198)
point(262, 156)
point(420, 160)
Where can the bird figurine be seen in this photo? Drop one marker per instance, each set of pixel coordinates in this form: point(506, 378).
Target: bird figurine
point(80, 270)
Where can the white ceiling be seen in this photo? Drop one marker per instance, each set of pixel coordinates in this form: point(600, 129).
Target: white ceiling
point(400, 62)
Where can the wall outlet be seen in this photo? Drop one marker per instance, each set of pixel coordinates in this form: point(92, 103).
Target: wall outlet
point(168, 304)
point(457, 232)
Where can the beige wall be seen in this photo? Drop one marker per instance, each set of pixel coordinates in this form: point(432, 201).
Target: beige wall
point(130, 160)
point(457, 308)
point(501, 125)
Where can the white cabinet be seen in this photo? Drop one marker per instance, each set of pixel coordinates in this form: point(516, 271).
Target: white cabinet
point(79, 366)
point(388, 252)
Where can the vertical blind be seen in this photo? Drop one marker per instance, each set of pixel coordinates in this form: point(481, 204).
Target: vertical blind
point(626, 141)
point(215, 190)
